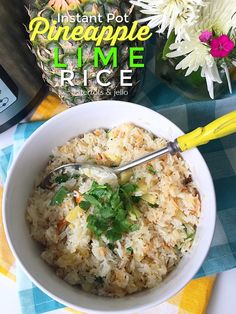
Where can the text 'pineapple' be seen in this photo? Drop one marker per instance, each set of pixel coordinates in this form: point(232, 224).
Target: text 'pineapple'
point(40, 26)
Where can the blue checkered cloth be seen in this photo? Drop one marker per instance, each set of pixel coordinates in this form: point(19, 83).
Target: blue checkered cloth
point(220, 156)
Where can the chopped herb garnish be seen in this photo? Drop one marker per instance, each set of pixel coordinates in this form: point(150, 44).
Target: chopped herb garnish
point(62, 178)
point(59, 196)
point(134, 227)
point(191, 235)
point(136, 199)
point(128, 188)
point(177, 249)
point(85, 205)
point(185, 228)
point(151, 169)
point(91, 199)
point(109, 214)
point(126, 194)
point(130, 249)
point(111, 246)
point(75, 176)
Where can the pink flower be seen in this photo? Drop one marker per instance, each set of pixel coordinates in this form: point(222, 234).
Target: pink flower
point(222, 46)
point(206, 36)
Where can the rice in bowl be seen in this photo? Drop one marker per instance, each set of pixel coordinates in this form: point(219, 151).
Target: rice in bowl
point(164, 206)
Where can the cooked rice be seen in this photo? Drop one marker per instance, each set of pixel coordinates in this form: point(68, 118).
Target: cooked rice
point(165, 234)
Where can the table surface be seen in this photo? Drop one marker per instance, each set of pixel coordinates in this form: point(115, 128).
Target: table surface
point(222, 301)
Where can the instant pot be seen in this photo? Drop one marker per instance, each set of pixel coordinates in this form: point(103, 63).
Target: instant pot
point(21, 84)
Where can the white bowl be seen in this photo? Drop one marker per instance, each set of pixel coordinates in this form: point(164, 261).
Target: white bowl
point(33, 158)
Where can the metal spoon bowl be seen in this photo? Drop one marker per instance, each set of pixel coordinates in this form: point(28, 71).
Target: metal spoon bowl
point(112, 172)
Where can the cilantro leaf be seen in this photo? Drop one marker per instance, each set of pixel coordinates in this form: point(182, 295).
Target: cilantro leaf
point(85, 205)
point(76, 176)
point(62, 178)
point(113, 235)
point(134, 227)
point(59, 196)
point(151, 169)
point(129, 188)
point(191, 235)
point(136, 199)
point(92, 200)
point(109, 210)
point(111, 246)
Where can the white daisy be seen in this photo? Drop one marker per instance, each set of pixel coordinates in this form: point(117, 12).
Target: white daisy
point(171, 15)
point(197, 55)
point(218, 17)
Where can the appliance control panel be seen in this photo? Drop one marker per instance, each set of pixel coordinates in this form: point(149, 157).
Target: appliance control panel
point(7, 98)
point(8, 90)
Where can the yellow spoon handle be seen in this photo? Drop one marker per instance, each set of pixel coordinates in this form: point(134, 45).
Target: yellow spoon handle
point(221, 127)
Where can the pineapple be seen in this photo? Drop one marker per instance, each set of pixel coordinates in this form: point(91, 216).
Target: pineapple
point(44, 51)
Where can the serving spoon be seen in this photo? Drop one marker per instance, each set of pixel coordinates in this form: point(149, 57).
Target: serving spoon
point(219, 128)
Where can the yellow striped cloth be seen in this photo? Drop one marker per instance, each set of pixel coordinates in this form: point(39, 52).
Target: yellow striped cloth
point(193, 299)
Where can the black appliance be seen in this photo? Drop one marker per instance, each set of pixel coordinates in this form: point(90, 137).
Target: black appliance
point(21, 84)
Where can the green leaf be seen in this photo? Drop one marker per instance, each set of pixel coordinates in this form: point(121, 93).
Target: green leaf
point(177, 249)
point(62, 178)
point(191, 235)
point(185, 228)
point(111, 246)
point(85, 205)
point(129, 188)
point(115, 200)
point(121, 226)
point(92, 200)
point(100, 191)
point(151, 169)
point(59, 197)
point(130, 249)
point(75, 176)
point(101, 224)
point(106, 211)
point(113, 235)
point(169, 42)
point(109, 215)
point(94, 225)
point(136, 199)
point(96, 186)
point(134, 227)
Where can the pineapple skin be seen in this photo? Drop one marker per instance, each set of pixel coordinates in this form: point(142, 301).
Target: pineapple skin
point(44, 52)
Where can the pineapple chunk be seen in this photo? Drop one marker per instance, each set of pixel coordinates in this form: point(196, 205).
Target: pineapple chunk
point(113, 157)
point(134, 214)
point(142, 186)
point(132, 217)
point(110, 134)
point(73, 214)
point(125, 176)
point(66, 260)
point(150, 198)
